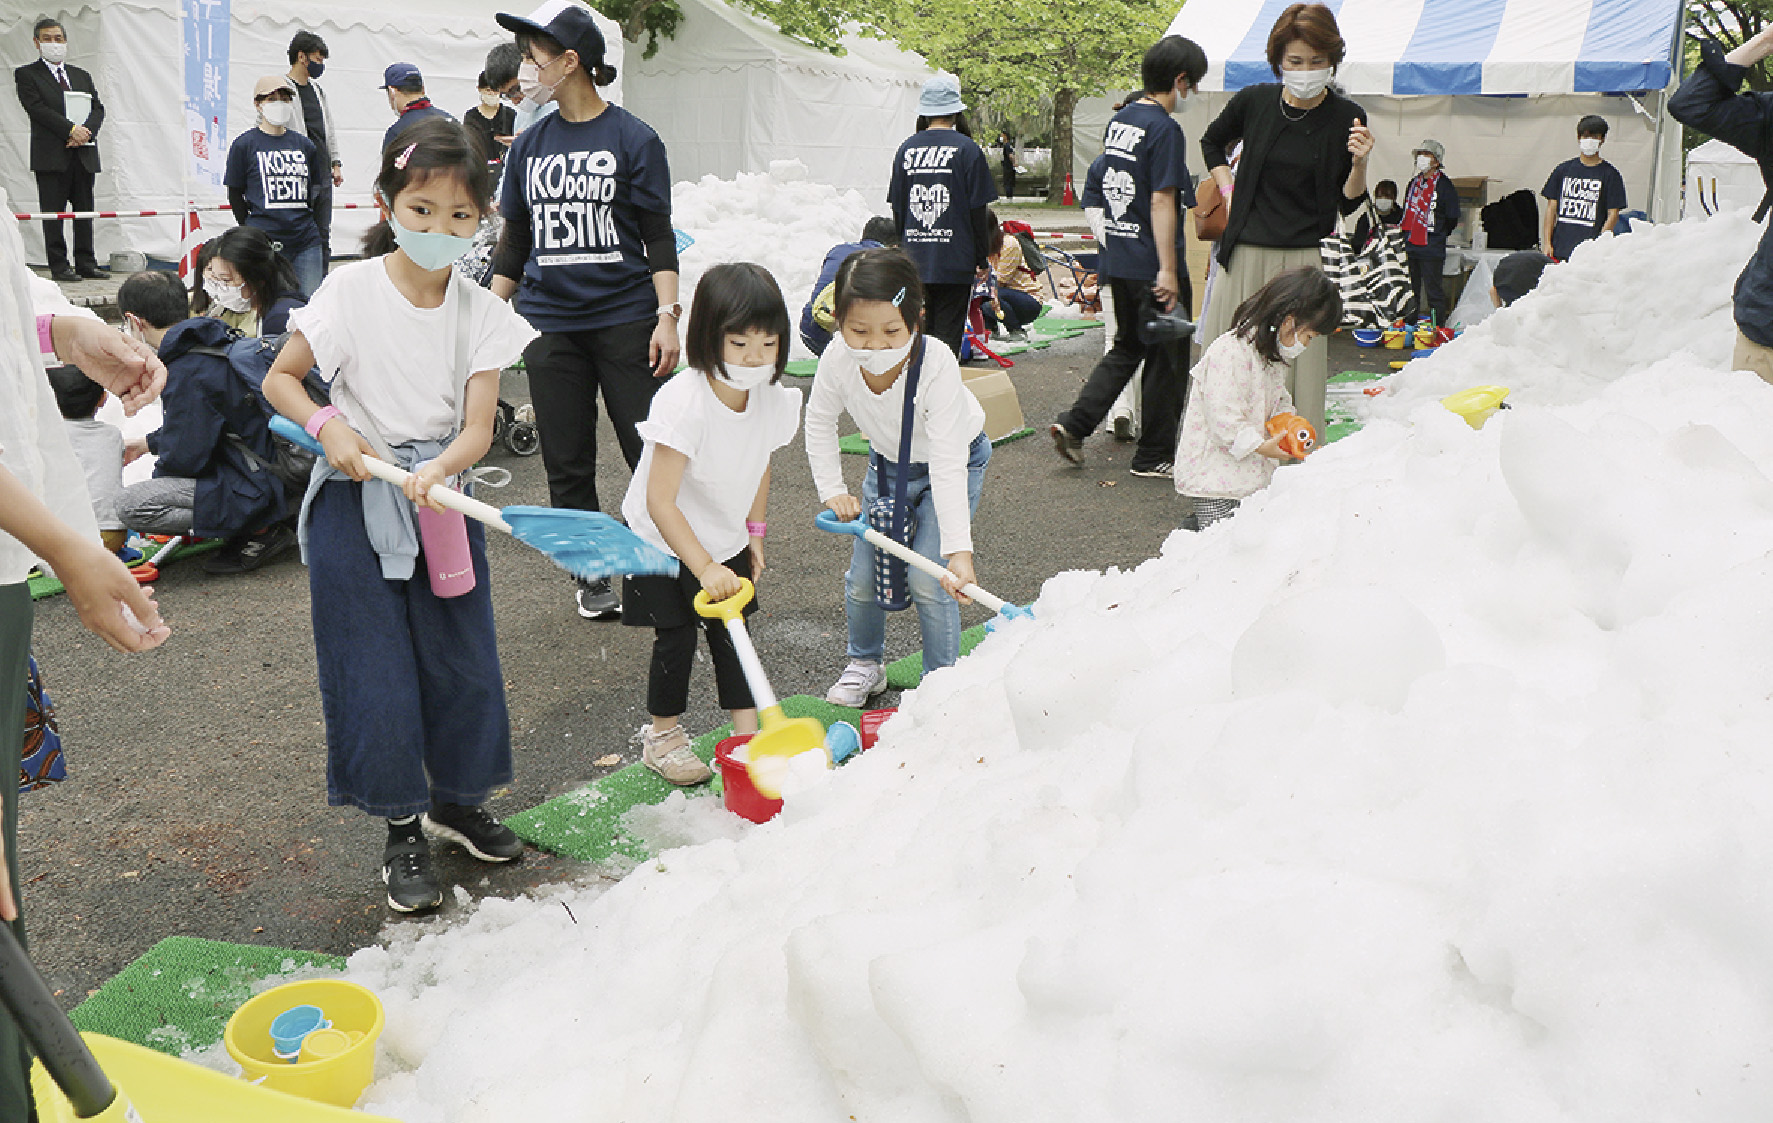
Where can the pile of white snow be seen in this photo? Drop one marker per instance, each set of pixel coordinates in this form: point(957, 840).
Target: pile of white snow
point(778, 219)
point(1434, 785)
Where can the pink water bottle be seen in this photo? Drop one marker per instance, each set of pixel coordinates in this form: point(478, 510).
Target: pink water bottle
point(444, 536)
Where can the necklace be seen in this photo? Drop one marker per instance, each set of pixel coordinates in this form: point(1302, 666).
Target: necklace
point(1302, 113)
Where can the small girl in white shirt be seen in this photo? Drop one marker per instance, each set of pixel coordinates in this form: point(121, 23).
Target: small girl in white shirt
point(863, 372)
point(410, 683)
point(1224, 452)
point(700, 493)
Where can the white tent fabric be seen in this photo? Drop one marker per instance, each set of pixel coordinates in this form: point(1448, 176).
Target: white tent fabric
point(1424, 69)
point(730, 93)
point(134, 47)
point(1727, 179)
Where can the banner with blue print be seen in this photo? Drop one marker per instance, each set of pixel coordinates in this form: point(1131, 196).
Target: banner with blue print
point(206, 87)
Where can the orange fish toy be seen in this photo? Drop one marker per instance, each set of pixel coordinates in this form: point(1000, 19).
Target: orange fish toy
point(1297, 437)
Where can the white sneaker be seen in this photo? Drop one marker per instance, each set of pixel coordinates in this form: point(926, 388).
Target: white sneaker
point(669, 755)
point(859, 682)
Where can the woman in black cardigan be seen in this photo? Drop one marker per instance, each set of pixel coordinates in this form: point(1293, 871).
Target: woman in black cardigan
point(1304, 162)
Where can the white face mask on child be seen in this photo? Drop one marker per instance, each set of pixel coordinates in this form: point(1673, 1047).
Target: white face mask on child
point(746, 379)
point(1589, 145)
point(1384, 206)
point(1291, 351)
point(231, 297)
point(877, 361)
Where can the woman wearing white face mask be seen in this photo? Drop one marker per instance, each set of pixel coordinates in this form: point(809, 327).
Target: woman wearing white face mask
point(245, 283)
point(272, 184)
point(1304, 161)
point(1431, 212)
point(491, 124)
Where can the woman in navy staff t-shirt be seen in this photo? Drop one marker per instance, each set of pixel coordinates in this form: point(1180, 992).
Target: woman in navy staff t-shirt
point(271, 182)
point(589, 256)
point(941, 186)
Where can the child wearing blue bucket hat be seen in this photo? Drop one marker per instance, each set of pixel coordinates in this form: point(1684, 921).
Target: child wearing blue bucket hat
point(940, 189)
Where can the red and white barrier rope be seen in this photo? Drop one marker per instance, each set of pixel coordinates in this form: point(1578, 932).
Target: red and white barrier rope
point(1066, 234)
point(47, 216)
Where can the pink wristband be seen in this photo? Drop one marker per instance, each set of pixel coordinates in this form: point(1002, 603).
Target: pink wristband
point(46, 333)
point(756, 529)
point(320, 418)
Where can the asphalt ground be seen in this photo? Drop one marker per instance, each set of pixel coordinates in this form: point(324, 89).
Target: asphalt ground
point(196, 801)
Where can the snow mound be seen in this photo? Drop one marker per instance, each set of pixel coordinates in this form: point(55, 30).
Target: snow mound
point(1433, 785)
point(779, 220)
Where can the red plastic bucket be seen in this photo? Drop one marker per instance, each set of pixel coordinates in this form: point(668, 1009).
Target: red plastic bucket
point(871, 723)
point(742, 797)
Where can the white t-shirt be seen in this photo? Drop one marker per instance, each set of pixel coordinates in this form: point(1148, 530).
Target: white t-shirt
point(945, 420)
point(395, 358)
point(99, 448)
point(728, 453)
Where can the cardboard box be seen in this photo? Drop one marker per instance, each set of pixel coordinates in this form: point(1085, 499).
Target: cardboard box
point(995, 391)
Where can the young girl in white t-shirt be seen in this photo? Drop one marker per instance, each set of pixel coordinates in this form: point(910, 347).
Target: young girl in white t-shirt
point(409, 680)
point(863, 373)
point(700, 493)
point(1224, 451)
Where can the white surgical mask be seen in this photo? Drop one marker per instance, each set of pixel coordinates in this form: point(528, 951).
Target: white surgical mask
point(1306, 84)
point(1589, 145)
point(1384, 206)
point(746, 378)
point(880, 360)
point(278, 114)
point(428, 251)
point(529, 80)
point(56, 53)
point(489, 99)
point(231, 297)
point(1291, 351)
point(1424, 163)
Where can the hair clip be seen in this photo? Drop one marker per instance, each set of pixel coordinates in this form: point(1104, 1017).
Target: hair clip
point(400, 160)
point(898, 298)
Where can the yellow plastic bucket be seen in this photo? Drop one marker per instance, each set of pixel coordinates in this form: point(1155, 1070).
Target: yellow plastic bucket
point(1476, 404)
point(338, 1079)
point(1393, 338)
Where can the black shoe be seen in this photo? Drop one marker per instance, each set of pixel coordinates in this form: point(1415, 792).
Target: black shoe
point(406, 870)
point(1068, 446)
point(91, 271)
point(63, 274)
point(473, 830)
point(598, 601)
point(1161, 471)
point(251, 552)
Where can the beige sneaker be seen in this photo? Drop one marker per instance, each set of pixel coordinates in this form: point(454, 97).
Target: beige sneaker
point(669, 755)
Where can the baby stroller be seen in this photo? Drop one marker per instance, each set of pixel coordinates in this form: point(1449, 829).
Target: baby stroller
point(516, 428)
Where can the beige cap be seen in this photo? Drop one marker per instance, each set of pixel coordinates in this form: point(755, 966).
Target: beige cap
point(272, 82)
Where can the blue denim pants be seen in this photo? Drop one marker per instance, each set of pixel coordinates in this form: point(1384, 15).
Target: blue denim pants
point(938, 614)
point(410, 683)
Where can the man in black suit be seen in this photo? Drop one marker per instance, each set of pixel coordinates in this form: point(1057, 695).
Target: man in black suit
point(64, 152)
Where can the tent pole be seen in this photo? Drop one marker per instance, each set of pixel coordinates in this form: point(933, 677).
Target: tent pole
point(1678, 56)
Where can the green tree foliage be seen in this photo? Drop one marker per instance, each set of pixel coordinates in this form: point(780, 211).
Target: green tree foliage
point(655, 19)
point(1732, 23)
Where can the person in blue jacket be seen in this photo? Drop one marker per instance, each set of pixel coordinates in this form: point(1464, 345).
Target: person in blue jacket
point(1709, 102)
point(1431, 212)
point(878, 232)
point(204, 484)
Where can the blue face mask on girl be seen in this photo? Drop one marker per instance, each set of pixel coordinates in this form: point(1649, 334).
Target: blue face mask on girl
point(429, 251)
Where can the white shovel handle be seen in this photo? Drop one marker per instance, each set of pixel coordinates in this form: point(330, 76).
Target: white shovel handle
point(446, 496)
point(911, 557)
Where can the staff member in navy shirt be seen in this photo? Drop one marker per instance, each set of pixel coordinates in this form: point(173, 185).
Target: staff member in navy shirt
point(1145, 182)
point(940, 188)
point(589, 253)
point(405, 88)
point(271, 179)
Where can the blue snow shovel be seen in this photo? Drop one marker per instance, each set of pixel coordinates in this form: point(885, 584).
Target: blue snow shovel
point(587, 544)
point(828, 520)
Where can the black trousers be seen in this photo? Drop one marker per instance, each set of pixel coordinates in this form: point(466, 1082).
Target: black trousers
point(666, 604)
point(69, 190)
point(1162, 389)
point(1009, 180)
point(1426, 271)
point(323, 215)
point(945, 313)
point(566, 372)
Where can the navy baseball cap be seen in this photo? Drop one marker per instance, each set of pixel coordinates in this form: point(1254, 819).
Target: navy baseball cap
point(399, 73)
point(565, 22)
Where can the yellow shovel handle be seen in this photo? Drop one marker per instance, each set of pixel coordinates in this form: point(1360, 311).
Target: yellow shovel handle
point(729, 609)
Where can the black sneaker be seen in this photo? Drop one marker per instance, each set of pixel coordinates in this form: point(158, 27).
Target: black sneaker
point(473, 830)
point(251, 552)
point(1161, 471)
point(406, 870)
point(1068, 446)
point(598, 601)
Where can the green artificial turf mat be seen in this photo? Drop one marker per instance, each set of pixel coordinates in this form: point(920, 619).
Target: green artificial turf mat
point(1339, 421)
point(586, 824)
point(1349, 376)
point(857, 445)
point(802, 368)
point(180, 994)
point(906, 673)
point(43, 585)
point(1051, 325)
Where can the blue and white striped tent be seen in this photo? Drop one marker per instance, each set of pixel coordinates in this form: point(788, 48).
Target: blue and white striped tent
point(1430, 47)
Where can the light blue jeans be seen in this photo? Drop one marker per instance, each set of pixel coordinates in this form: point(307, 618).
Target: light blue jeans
point(309, 266)
point(938, 614)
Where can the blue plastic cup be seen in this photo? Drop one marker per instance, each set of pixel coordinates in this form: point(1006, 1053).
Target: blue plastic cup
point(842, 741)
point(290, 1027)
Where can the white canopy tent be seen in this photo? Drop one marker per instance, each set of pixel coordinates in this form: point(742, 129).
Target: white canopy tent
point(134, 49)
point(730, 93)
point(1722, 178)
point(1501, 83)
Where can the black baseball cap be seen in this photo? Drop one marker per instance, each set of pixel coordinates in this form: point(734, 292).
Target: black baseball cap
point(565, 22)
point(1518, 274)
